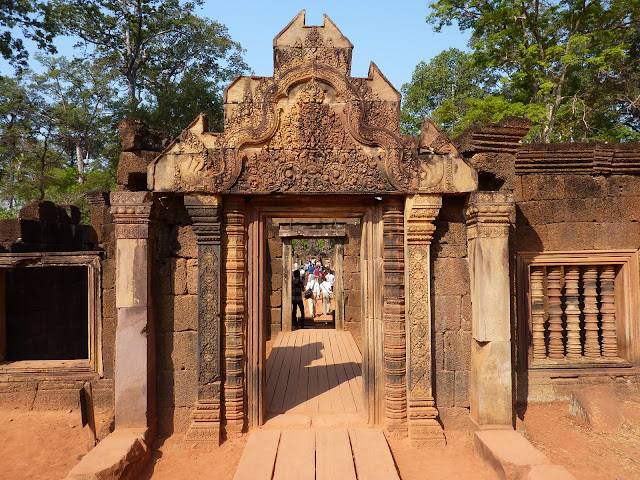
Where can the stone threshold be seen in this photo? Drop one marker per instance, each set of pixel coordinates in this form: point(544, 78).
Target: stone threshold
point(512, 457)
point(120, 456)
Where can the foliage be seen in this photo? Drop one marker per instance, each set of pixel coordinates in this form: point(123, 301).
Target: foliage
point(572, 67)
point(32, 20)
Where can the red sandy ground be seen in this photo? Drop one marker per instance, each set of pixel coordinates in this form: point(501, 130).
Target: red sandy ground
point(37, 445)
point(570, 442)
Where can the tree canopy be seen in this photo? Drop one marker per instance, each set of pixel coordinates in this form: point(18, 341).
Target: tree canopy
point(572, 67)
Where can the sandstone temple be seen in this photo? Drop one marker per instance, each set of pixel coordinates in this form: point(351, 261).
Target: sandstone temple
point(475, 273)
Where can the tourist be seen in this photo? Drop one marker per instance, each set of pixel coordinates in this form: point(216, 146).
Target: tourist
point(332, 279)
point(297, 285)
point(325, 288)
point(314, 288)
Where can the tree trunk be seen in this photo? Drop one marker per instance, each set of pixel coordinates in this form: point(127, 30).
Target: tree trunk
point(80, 160)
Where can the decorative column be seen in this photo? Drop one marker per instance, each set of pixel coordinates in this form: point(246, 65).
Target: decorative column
point(572, 310)
point(554, 282)
point(608, 311)
point(489, 215)
point(538, 313)
point(205, 215)
point(393, 318)
point(420, 212)
point(234, 314)
point(134, 370)
point(590, 280)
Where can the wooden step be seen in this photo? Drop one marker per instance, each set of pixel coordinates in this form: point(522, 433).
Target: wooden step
point(372, 455)
point(259, 456)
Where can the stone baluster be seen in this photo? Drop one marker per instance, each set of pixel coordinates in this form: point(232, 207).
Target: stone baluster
point(608, 311)
point(393, 317)
point(420, 212)
point(234, 314)
point(489, 216)
point(205, 419)
point(538, 313)
point(554, 289)
point(134, 399)
point(589, 280)
point(572, 310)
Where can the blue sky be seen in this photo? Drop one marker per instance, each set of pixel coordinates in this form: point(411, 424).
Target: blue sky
point(394, 35)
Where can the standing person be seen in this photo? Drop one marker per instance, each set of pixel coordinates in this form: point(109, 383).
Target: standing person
point(297, 285)
point(325, 288)
point(332, 279)
point(314, 287)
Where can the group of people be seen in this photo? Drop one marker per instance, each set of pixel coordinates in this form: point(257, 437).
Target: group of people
point(311, 281)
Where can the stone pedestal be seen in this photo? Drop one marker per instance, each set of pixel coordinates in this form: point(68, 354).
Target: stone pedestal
point(205, 419)
point(420, 212)
point(134, 359)
point(489, 215)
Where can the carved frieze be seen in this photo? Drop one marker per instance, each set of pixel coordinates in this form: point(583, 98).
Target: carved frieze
point(489, 214)
point(131, 212)
point(311, 128)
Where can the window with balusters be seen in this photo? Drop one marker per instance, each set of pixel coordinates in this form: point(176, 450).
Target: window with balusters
point(579, 309)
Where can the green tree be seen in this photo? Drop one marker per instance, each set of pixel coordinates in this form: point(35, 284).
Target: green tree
point(567, 58)
point(151, 41)
point(32, 20)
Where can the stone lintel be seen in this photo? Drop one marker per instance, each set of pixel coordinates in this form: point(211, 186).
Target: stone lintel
point(303, 231)
point(131, 211)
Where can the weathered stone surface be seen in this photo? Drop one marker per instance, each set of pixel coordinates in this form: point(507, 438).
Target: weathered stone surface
point(450, 276)
point(446, 312)
point(549, 472)
point(454, 418)
point(184, 243)
point(490, 383)
point(457, 347)
point(40, 210)
point(598, 406)
point(507, 452)
point(136, 135)
point(192, 277)
point(179, 275)
point(132, 169)
point(461, 398)
point(445, 388)
point(182, 349)
point(185, 311)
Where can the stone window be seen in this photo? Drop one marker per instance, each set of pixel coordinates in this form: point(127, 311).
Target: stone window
point(579, 309)
point(50, 313)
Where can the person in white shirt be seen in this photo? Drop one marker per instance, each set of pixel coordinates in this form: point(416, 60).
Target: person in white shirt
point(332, 279)
point(325, 288)
point(314, 286)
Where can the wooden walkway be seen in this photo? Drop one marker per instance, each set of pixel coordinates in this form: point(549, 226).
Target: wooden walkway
point(314, 370)
point(326, 454)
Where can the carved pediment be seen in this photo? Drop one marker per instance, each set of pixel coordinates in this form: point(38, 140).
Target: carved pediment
point(310, 129)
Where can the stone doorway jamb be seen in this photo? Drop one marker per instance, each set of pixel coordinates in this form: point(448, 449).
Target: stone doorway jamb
point(204, 211)
point(420, 212)
point(489, 216)
point(134, 359)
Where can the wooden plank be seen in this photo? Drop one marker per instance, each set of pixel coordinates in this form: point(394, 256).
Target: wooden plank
point(259, 456)
point(345, 391)
point(296, 456)
point(277, 352)
point(314, 367)
point(372, 455)
point(352, 370)
point(335, 398)
point(324, 397)
point(333, 455)
point(300, 402)
point(280, 387)
point(294, 374)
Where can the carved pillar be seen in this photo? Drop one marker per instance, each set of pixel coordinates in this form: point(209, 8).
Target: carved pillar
point(234, 314)
point(287, 273)
point(554, 282)
point(489, 215)
point(205, 419)
point(134, 368)
point(537, 313)
point(590, 279)
point(608, 311)
point(420, 212)
point(572, 311)
point(393, 317)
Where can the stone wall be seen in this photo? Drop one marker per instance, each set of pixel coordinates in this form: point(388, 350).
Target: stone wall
point(451, 313)
point(174, 285)
point(353, 283)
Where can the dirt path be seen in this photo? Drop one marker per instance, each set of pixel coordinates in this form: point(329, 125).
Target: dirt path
point(37, 445)
point(570, 442)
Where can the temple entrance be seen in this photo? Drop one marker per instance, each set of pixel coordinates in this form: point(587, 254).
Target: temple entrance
point(319, 371)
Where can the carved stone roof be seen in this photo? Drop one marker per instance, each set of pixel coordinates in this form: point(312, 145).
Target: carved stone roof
point(310, 129)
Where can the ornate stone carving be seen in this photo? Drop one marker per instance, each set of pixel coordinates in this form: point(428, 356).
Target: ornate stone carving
point(420, 211)
point(590, 280)
point(538, 313)
point(233, 314)
point(393, 318)
point(131, 212)
point(489, 214)
point(608, 311)
point(311, 128)
point(204, 212)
